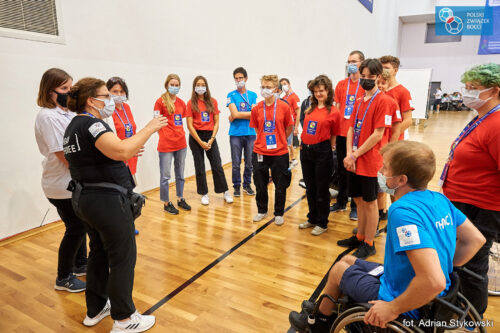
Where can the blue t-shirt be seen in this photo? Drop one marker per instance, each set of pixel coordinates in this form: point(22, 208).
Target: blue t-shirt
point(420, 219)
point(240, 127)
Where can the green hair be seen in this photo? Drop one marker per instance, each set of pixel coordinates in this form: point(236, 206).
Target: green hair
point(488, 75)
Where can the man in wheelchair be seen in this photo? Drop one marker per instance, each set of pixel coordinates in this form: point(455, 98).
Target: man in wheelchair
point(426, 237)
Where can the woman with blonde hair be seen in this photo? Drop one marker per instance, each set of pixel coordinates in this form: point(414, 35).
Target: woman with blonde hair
point(172, 143)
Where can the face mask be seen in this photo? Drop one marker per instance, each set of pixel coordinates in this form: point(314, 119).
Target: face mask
point(108, 109)
point(382, 182)
point(200, 90)
point(240, 84)
point(266, 93)
point(174, 90)
point(367, 84)
point(62, 99)
point(471, 98)
point(284, 88)
point(118, 98)
point(352, 68)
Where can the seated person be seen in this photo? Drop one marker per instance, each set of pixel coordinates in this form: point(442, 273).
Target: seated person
point(445, 102)
point(426, 237)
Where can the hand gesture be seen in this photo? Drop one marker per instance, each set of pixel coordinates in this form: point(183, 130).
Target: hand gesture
point(157, 123)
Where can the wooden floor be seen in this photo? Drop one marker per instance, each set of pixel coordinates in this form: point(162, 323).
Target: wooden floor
point(250, 290)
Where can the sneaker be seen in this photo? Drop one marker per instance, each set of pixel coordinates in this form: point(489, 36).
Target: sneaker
point(248, 190)
point(308, 306)
point(205, 200)
point(333, 193)
point(301, 322)
point(278, 220)
point(106, 311)
point(259, 217)
point(169, 208)
point(336, 207)
point(364, 251)
point(377, 233)
point(306, 225)
point(228, 197)
point(318, 230)
point(237, 192)
point(183, 204)
point(302, 183)
point(80, 270)
point(71, 284)
point(136, 323)
point(353, 215)
point(352, 241)
point(293, 163)
point(382, 216)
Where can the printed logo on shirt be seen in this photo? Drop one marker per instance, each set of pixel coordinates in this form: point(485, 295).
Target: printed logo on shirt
point(96, 129)
point(398, 114)
point(388, 120)
point(311, 127)
point(408, 235)
point(411, 103)
point(445, 222)
point(228, 101)
point(177, 120)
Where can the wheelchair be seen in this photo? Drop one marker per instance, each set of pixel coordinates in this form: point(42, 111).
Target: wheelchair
point(448, 313)
point(494, 270)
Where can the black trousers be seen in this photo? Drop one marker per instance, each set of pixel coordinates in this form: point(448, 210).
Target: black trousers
point(213, 155)
point(343, 178)
point(486, 221)
point(317, 163)
point(111, 263)
point(278, 166)
point(73, 248)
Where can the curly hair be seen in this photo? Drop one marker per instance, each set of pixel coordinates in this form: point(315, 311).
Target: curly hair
point(321, 80)
point(487, 75)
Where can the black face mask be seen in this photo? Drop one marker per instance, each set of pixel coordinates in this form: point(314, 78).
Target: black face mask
point(62, 99)
point(367, 84)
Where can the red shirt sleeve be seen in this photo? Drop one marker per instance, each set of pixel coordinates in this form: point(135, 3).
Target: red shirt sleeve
point(159, 106)
point(189, 111)
point(381, 112)
point(405, 100)
point(253, 117)
point(337, 93)
point(216, 107)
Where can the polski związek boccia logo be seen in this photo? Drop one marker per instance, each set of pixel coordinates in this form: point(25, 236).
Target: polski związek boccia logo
point(453, 24)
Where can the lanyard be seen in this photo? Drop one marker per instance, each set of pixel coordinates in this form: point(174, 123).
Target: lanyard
point(274, 115)
point(366, 111)
point(88, 114)
point(126, 116)
point(247, 100)
point(465, 132)
point(347, 93)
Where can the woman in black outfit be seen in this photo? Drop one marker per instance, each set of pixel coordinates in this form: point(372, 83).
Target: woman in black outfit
point(101, 198)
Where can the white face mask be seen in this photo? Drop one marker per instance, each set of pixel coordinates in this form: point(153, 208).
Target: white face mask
point(266, 93)
point(119, 99)
point(382, 182)
point(108, 109)
point(240, 84)
point(285, 88)
point(471, 98)
point(200, 90)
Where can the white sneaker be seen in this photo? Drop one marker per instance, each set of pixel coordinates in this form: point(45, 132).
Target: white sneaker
point(228, 197)
point(205, 200)
point(106, 311)
point(306, 225)
point(293, 163)
point(333, 193)
point(259, 217)
point(278, 220)
point(318, 230)
point(136, 323)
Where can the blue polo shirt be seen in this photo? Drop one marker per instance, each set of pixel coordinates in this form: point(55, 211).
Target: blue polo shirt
point(420, 219)
point(240, 127)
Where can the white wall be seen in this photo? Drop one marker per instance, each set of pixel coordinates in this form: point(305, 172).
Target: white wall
point(447, 60)
point(144, 41)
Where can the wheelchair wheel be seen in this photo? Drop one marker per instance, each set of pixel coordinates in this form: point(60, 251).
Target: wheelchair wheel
point(351, 321)
point(494, 270)
point(471, 318)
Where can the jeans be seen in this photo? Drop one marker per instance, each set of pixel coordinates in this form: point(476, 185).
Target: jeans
point(278, 166)
point(343, 178)
point(241, 144)
point(179, 157)
point(213, 156)
point(73, 248)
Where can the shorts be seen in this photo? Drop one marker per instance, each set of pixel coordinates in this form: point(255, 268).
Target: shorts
point(437, 101)
point(289, 140)
point(362, 186)
point(358, 284)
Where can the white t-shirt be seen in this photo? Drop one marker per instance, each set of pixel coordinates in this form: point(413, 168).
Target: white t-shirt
point(438, 94)
point(50, 125)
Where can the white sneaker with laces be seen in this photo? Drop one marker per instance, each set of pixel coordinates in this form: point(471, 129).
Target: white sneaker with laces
point(333, 193)
point(259, 217)
point(106, 311)
point(293, 163)
point(306, 225)
point(278, 220)
point(205, 200)
point(136, 323)
point(228, 197)
point(318, 230)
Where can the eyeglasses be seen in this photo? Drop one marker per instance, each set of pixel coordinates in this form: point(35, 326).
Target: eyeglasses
point(352, 62)
point(106, 95)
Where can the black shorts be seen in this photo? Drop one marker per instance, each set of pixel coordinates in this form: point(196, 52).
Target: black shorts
point(362, 186)
point(358, 284)
point(437, 101)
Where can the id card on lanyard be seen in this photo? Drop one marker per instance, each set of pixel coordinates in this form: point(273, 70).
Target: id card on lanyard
point(350, 100)
point(177, 120)
point(129, 130)
point(205, 116)
point(358, 123)
point(270, 126)
point(465, 132)
point(245, 106)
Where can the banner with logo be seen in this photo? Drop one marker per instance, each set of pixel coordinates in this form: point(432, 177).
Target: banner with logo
point(464, 20)
point(490, 44)
point(368, 4)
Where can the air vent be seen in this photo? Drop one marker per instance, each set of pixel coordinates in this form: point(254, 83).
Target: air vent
point(37, 16)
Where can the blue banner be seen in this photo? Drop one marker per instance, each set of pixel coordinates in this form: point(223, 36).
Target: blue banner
point(464, 20)
point(368, 4)
point(490, 44)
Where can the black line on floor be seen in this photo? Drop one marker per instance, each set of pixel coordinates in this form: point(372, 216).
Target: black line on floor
point(213, 263)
